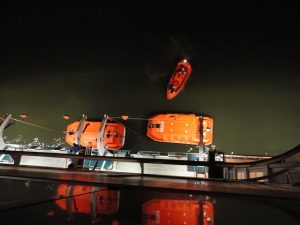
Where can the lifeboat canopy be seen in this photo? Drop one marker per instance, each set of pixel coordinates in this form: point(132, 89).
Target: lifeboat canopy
point(90, 134)
point(178, 79)
point(180, 128)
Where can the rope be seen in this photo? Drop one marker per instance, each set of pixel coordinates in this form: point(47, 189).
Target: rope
point(32, 124)
point(133, 131)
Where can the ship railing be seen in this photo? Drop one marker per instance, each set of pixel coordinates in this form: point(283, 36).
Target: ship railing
point(154, 166)
point(280, 169)
point(283, 169)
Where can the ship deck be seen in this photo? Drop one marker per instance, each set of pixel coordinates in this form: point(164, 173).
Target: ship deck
point(153, 182)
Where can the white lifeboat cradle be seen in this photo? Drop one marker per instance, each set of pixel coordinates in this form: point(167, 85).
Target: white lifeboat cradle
point(27, 160)
point(4, 157)
point(101, 149)
point(3, 125)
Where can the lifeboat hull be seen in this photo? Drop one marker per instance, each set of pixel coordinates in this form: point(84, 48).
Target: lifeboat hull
point(113, 137)
point(178, 79)
point(180, 128)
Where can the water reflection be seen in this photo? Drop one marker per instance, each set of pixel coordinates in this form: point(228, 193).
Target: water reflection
point(173, 211)
point(24, 202)
point(88, 200)
point(102, 204)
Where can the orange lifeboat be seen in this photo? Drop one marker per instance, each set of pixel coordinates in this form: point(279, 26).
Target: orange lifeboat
point(86, 133)
point(103, 200)
point(175, 212)
point(178, 79)
point(180, 128)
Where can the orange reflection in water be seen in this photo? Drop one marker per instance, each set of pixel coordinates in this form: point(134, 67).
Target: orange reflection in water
point(175, 212)
point(87, 199)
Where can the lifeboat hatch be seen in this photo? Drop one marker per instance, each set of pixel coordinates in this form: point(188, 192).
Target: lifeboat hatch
point(154, 125)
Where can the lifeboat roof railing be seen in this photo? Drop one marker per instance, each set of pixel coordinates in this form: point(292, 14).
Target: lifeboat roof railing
point(81, 127)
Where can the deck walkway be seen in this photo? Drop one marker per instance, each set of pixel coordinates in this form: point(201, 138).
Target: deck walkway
point(159, 183)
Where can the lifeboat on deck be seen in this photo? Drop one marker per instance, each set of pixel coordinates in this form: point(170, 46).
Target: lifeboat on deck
point(87, 199)
point(177, 212)
point(180, 128)
point(178, 79)
point(89, 134)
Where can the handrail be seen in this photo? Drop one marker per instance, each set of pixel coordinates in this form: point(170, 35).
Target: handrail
point(262, 162)
point(285, 170)
point(212, 165)
point(120, 159)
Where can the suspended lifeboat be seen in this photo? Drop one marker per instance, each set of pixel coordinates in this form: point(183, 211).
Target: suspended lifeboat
point(89, 134)
point(178, 79)
point(175, 212)
point(180, 128)
point(87, 199)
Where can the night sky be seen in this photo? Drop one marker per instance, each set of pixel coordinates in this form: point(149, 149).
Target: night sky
point(116, 59)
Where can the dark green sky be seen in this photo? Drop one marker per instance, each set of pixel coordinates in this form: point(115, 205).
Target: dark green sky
point(117, 58)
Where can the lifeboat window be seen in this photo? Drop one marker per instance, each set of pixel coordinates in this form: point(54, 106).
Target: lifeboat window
point(154, 125)
point(108, 134)
point(85, 127)
point(71, 132)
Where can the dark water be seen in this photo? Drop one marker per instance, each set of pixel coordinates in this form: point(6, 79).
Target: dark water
point(116, 59)
point(24, 202)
